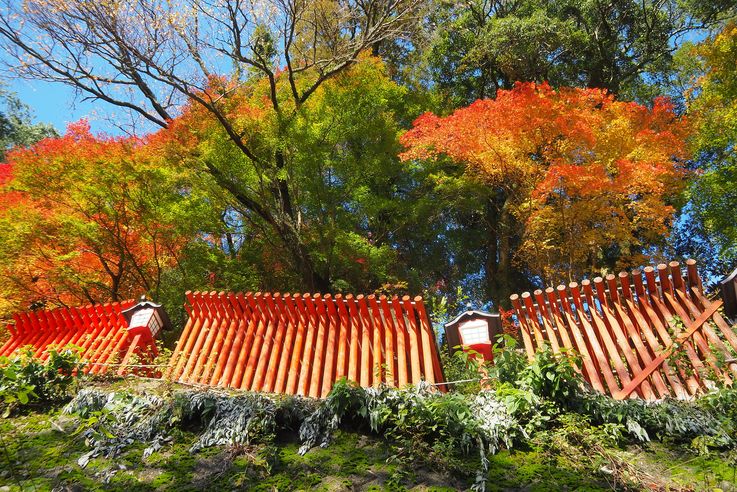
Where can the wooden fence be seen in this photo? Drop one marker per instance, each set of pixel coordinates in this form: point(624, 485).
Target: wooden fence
point(302, 344)
point(100, 331)
point(650, 333)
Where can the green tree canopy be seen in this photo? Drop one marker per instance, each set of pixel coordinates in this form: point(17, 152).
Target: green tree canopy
point(713, 107)
point(16, 127)
point(626, 47)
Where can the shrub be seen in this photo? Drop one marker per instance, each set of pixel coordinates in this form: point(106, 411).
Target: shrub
point(25, 378)
point(466, 366)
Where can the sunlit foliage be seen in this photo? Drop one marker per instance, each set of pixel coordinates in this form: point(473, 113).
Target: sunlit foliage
point(582, 174)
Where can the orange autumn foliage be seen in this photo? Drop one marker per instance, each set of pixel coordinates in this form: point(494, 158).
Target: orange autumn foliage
point(83, 212)
point(582, 173)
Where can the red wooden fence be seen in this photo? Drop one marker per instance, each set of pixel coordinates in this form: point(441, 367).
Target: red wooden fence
point(650, 334)
point(100, 331)
point(302, 344)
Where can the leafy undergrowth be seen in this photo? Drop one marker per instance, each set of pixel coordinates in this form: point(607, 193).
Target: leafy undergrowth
point(42, 448)
point(533, 426)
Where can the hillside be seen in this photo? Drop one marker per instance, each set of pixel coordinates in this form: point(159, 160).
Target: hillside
point(138, 434)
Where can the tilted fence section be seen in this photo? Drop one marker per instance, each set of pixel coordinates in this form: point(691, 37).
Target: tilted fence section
point(650, 333)
point(302, 344)
point(100, 331)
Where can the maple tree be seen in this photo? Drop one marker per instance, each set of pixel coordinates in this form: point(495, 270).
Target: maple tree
point(94, 218)
point(578, 179)
point(83, 219)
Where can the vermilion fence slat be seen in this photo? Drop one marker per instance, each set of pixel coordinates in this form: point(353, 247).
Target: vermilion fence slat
point(354, 359)
point(390, 343)
point(432, 354)
point(331, 345)
point(404, 369)
point(339, 313)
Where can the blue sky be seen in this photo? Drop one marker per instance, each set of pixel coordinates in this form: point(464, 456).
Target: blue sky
point(55, 104)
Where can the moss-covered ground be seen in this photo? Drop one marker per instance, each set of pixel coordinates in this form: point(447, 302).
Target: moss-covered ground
point(39, 451)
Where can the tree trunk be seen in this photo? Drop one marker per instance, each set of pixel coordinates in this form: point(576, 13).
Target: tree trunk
point(312, 280)
point(499, 281)
point(289, 232)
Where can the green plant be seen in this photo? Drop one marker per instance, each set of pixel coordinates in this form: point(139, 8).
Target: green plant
point(25, 378)
point(534, 391)
point(419, 423)
point(676, 420)
point(110, 422)
point(552, 376)
point(466, 366)
point(14, 390)
point(163, 355)
point(509, 361)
